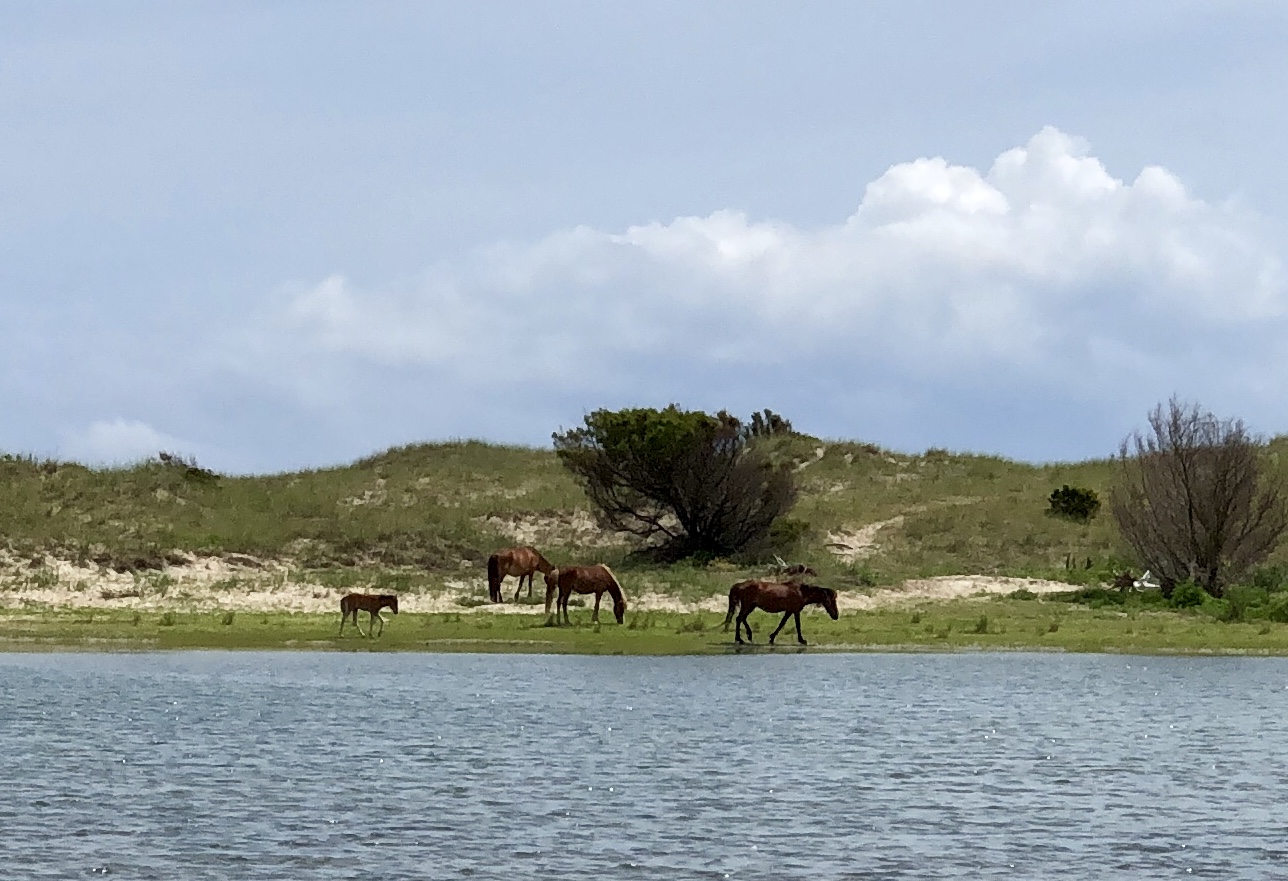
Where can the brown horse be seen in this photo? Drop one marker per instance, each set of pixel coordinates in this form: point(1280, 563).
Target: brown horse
point(771, 596)
point(353, 603)
point(523, 562)
point(597, 579)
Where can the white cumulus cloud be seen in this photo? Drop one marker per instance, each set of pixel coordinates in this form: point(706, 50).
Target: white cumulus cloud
point(1044, 273)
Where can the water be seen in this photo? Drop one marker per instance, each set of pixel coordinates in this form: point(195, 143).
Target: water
point(211, 765)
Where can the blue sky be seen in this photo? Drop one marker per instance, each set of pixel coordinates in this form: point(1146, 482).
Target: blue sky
point(284, 235)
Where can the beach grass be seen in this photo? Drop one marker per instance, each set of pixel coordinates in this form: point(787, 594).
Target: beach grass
point(1000, 624)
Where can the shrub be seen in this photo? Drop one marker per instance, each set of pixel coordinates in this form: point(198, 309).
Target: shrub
point(1194, 500)
point(1188, 595)
point(1278, 610)
point(685, 480)
point(1074, 503)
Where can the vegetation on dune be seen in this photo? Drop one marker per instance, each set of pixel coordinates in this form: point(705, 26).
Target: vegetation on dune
point(415, 517)
point(1194, 500)
point(682, 481)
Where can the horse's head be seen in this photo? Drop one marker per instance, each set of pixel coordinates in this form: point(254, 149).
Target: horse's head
point(391, 600)
point(824, 596)
point(619, 609)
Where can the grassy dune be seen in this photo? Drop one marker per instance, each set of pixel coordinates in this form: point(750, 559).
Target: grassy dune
point(416, 518)
point(434, 507)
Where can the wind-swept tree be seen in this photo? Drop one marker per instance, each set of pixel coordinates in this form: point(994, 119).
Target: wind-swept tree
point(682, 479)
point(1193, 499)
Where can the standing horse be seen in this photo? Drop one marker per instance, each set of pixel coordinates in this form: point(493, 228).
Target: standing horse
point(597, 579)
point(771, 596)
point(523, 562)
point(353, 603)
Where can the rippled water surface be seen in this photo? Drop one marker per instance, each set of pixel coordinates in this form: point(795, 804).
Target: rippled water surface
point(326, 766)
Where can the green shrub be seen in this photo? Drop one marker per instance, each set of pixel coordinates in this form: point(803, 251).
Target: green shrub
point(168, 619)
point(1278, 610)
point(1074, 503)
point(1270, 578)
point(1188, 595)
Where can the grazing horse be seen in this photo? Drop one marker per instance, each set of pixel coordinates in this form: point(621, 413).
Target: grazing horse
point(353, 603)
point(597, 579)
point(522, 562)
point(789, 598)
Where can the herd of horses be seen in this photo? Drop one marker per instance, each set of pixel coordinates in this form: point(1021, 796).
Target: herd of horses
point(789, 597)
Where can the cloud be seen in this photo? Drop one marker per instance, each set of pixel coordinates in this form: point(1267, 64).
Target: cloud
point(119, 442)
point(1044, 277)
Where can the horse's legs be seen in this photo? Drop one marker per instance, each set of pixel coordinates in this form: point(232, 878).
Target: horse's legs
point(518, 587)
point(780, 626)
point(564, 594)
point(742, 622)
point(376, 616)
point(594, 618)
point(357, 625)
point(799, 638)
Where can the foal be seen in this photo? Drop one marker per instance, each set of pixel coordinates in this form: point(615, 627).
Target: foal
point(354, 603)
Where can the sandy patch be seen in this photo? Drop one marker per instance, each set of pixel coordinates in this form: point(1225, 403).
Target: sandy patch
point(240, 583)
point(856, 544)
point(577, 529)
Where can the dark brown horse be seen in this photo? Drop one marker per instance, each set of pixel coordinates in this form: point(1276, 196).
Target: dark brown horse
point(597, 579)
point(353, 603)
point(789, 598)
point(523, 562)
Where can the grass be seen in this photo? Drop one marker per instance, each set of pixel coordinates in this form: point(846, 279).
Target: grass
point(416, 518)
point(1005, 625)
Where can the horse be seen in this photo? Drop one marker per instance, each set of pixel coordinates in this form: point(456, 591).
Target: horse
point(522, 562)
point(789, 598)
point(596, 579)
point(353, 603)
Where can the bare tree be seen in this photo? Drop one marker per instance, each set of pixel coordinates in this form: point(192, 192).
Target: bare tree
point(1192, 498)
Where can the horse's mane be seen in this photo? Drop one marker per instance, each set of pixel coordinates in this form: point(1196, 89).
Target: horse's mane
point(616, 584)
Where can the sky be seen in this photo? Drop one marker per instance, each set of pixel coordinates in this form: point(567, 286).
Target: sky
point(282, 235)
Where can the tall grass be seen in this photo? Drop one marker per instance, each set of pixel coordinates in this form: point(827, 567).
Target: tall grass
point(436, 508)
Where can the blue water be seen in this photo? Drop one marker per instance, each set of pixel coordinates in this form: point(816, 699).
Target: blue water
point(211, 765)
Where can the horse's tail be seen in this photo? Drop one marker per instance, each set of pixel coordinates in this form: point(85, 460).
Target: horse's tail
point(735, 600)
point(552, 584)
point(619, 598)
point(494, 578)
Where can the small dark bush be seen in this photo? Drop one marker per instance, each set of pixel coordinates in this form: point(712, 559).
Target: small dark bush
point(1278, 611)
point(1074, 503)
point(1188, 595)
point(1270, 578)
point(1095, 597)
